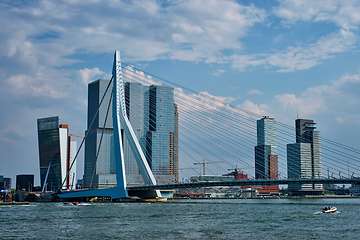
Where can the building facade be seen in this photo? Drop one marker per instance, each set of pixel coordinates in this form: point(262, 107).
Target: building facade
point(162, 147)
point(153, 117)
point(99, 165)
point(55, 153)
point(304, 157)
point(266, 158)
point(266, 150)
point(24, 182)
point(7, 183)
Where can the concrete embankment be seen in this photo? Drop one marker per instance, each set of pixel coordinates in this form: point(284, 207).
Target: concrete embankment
point(13, 203)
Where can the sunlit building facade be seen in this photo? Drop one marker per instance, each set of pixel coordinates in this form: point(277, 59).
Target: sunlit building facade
point(266, 158)
point(304, 157)
point(153, 117)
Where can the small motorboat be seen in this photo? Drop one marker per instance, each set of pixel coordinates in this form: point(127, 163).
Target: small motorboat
point(77, 203)
point(329, 209)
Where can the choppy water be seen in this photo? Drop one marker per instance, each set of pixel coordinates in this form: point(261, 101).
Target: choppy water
point(184, 219)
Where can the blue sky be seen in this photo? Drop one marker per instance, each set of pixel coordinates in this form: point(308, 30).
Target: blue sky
point(271, 57)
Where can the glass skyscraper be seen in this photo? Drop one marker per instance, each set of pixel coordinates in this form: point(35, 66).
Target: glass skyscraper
point(99, 167)
point(55, 153)
point(304, 157)
point(153, 117)
point(161, 134)
point(266, 158)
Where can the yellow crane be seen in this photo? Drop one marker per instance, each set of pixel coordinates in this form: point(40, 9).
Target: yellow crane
point(204, 163)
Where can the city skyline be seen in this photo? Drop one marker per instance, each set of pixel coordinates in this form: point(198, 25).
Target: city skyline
point(286, 58)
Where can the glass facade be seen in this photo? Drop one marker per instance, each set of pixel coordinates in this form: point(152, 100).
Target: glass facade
point(306, 133)
point(57, 151)
point(299, 164)
point(49, 152)
point(137, 110)
point(153, 117)
point(161, 129)
point(266, 151)
point(99, 161)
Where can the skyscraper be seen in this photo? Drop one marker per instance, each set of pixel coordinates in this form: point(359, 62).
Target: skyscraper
point(153, 117)
point(266, 150)
point(99, 165)
point(266, 158)
point(56, 151)
point(299, 164)
point(161, 134)
point(304, 157)
point(137, 110)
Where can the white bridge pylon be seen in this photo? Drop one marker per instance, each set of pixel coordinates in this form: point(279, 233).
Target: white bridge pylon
point(120, 120)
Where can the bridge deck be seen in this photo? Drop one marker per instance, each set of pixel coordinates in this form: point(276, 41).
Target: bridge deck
point(247, 183)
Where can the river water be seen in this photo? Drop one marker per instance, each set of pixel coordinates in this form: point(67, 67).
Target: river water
point(184, 219)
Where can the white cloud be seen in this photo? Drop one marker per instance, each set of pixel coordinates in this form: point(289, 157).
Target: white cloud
point(338, 100)
point(254, 108)
point(88, 75)
point(218, 72)
point(301, 57)
point(255, 91)
point(343, 13)
point(131, 75)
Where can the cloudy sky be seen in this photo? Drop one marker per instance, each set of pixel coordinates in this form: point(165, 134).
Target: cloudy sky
point(277, 58)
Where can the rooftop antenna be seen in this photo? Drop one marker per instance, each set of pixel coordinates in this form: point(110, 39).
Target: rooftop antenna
point(297, 114)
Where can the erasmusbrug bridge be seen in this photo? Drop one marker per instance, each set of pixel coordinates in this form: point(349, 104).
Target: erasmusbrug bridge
point(212, 129)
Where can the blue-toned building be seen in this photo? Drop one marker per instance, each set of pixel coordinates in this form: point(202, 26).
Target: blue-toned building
point(153, 117)
point(99, 165)
point(266, 166)
point(161, 134)
point(266, 158)
point(137, 110)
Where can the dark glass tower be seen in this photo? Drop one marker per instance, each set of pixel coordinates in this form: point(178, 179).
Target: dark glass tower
point(49, 152)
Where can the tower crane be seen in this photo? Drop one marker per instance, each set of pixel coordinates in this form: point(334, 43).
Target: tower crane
point(204, 163)
point(236, 169)
point(76, 135)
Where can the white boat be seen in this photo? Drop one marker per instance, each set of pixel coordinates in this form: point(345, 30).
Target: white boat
point(329, 210)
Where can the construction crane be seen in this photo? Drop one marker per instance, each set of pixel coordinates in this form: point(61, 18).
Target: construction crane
point(76, 135)
point(236, 169)
point(204, 163)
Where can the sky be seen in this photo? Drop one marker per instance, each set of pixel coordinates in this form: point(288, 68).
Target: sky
point(285, 59)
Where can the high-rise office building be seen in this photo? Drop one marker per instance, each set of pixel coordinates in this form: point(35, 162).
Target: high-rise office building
point(151, 112)
point(99, 166)
point(55, 154)
point(304, 157)
point(266, 158)
point(161, 134)
point(266, 150)
point(137, 110)
point(299, 164)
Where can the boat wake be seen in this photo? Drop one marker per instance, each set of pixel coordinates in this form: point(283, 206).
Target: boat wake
point(323, 212)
